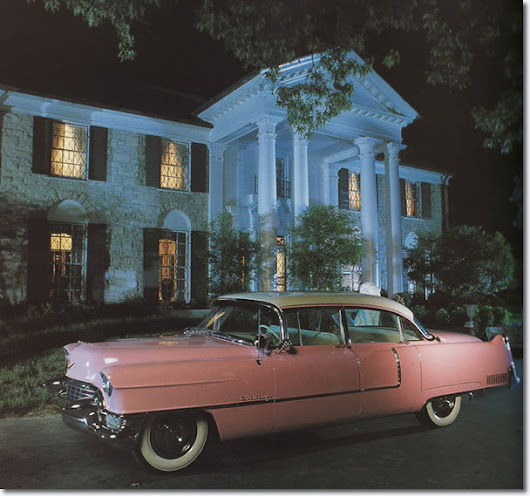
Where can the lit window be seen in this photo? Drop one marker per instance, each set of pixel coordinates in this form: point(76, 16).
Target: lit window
point(69, 150)
point(173, 271)
point(67, 262)
point(411, 198)
point(354, 191)
point(281, 270)
point(174, 165)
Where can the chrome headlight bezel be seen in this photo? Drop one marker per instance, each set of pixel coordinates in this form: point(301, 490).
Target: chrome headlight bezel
point(106, 385)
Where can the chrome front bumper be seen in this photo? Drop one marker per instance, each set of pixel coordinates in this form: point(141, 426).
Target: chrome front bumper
point(87, 414)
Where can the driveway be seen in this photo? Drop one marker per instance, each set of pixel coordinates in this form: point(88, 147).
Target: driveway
point(483, 449)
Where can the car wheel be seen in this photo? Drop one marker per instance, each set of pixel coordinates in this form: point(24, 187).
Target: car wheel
point(442, 411)
point(172, 441)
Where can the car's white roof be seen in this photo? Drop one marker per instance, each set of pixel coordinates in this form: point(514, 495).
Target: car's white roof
point(287, 299)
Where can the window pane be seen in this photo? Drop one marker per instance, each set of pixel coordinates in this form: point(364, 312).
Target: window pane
point(354, 191)
point(409, 331)
point(69, 150)
point(67, 262)
point(174, 165)
point(372, 326)
point(411, 198)
point(314, 326)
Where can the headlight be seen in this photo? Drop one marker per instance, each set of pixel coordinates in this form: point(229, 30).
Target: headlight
point(106, 385)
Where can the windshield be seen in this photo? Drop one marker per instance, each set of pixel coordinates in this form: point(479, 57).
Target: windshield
point(426, 333)
point(243, 321)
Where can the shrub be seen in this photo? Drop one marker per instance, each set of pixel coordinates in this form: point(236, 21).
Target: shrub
point(422, 313)
point(458, 316)
point(418, 298)
point(501, 316)
point(439, 299)
point(441, 316)
point(486, 316)
point(403, 298)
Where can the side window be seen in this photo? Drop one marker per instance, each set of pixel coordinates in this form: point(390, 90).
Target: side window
point(366, 325)
point(409, 331)
point(314, 326)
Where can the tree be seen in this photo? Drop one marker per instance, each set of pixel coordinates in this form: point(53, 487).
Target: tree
point(233, 257)
point(466, 262)
point(323, 240)
point(265, 34)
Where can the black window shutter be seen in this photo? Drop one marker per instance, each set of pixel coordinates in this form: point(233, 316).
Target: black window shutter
point(42, 145)
point(199, 268)
point(153, 151)
point(344, 179)
point(97, 169)
point(38, 261)
point(403, 197)
point(151, 262)
point(97, 262)
point(199, 167)
point(426, 210)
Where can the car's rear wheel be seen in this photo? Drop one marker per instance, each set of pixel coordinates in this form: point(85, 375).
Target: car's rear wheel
point(172, 441)
point(441, 411)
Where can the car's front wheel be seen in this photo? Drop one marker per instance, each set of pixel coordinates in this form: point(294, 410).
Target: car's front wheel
point(442, 411)
point(172, 441)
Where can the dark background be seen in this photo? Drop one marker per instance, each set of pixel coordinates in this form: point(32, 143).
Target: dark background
point(177, 69)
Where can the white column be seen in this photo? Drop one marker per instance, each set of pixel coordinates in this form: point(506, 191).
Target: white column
point(267, 200)
point(300, 185)
point(333, 185)
point(394, 245)
point(369, 208)
point(323, 183)
point(216, 203)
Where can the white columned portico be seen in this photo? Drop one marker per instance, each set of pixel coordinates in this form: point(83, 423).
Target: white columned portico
point(216, 180)
point(267, 200)
point(367, 148)
point(394, 245)
point(300, 185)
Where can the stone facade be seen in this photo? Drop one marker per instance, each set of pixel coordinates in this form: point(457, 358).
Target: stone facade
point(123, 203)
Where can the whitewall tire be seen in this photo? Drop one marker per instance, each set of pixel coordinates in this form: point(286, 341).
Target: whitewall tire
point(442, 411)
point(172, 441)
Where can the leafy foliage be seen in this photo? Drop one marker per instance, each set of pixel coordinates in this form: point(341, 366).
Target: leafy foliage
point(323, 240)
point(265, 35)
point(465, 261)
point(233, 257)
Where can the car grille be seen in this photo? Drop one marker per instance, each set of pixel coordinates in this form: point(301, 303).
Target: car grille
point(78, 391)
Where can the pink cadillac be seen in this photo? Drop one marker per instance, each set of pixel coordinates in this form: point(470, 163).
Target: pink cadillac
point(269, 362)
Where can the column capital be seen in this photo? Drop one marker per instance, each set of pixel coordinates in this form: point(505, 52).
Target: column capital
point(392, 149)
point(298, 138)
point(217, 150)
point(267, 126)
point(367, 146)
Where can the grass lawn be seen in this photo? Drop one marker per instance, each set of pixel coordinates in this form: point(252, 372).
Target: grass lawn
point(31, 358)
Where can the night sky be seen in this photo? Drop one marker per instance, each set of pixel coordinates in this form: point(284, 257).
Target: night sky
point(177, 69)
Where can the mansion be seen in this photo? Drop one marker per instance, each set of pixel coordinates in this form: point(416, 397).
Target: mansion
point(103, 205)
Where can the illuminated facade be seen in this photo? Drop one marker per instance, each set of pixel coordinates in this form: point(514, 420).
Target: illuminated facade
point(101, 205)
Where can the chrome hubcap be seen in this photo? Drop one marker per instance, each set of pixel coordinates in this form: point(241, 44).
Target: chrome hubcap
point(172, 436)
point(443, 406)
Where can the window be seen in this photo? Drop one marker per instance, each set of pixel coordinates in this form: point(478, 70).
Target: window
point(314, 326)
point(281, 269)
point(283, 186)
point(67, 262)
point(367, 325)
point(411, 199)
point(69, 150)
point(66, 150)
point(351, 277)
point(174, 165)
point(354, 191)
point(173, 272)
point(244, 321)
point(410, 333)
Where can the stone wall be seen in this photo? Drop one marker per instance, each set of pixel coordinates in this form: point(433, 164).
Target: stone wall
point(123, 203)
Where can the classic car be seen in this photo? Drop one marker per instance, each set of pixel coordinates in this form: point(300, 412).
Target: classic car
point(270, 362)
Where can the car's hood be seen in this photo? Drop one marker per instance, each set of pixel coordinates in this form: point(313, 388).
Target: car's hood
point(86, 360)
point(454, 337)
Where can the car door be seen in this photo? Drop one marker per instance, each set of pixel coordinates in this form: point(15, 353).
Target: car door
point(390, 374)
point(318, 380)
